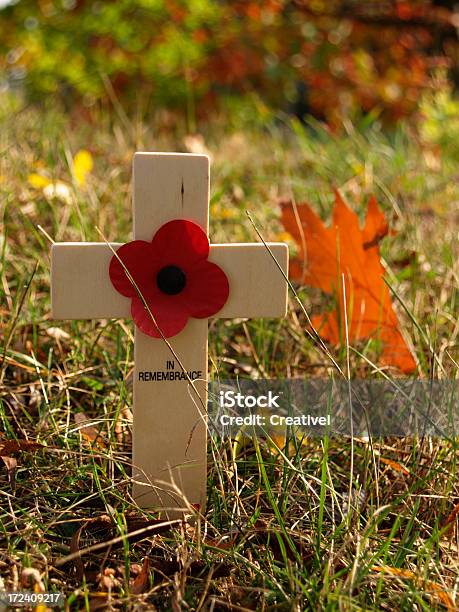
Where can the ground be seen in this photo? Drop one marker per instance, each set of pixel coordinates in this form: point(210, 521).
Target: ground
point(315, 524)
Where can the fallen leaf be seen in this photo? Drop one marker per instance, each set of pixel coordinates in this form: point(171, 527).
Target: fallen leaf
point(433, 589)
point(88, 432)
point(99, 601)
point(344, 249)
point(10, 462)
point(82, 166)
point(451, 519)
point(139, 528)
point(398, 467)
point(141, 583)
point(98, 523)
point(13, 446)
point(11, 465)
point(7, 447)
point(284, 237)
point(38, 181)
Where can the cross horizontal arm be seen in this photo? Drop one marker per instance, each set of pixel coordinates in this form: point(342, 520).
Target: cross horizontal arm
point(81, 287)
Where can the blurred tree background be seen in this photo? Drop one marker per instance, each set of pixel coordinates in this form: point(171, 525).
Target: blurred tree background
point(327, 58)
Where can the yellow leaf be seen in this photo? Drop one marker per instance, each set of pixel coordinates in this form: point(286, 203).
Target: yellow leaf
point(228, 213)
point(285, 237)
point(82, 166)
point(38, 181)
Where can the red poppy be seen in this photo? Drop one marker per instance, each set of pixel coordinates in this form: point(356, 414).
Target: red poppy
point(174, 277)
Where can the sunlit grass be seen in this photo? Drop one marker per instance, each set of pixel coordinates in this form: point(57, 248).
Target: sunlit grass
point(281, 530)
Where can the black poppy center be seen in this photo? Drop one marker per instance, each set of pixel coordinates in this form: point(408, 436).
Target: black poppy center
point(171, 280)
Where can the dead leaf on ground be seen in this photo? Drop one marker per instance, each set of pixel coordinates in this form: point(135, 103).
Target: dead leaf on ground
point(99, 601)
point(451, 519)
point(141, 583)
point(326, 254)
point(99, 523)
point(7, 447)
point(89, 432)
point(11, 465)
point(13, 446)
point(434, 590)
point(103, 527)
point(398, 467)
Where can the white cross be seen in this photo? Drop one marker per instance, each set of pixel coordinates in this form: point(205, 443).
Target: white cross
point(169, 433)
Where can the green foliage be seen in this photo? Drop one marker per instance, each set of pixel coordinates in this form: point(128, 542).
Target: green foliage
point(69, 46)
point(306, 57)
point(440, 126)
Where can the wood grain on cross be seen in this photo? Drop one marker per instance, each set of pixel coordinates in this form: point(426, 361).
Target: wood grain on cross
point(169, 429)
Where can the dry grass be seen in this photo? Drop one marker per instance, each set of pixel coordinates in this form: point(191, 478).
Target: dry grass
point(280, 532)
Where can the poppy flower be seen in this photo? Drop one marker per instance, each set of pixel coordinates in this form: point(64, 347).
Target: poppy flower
point(174, 277)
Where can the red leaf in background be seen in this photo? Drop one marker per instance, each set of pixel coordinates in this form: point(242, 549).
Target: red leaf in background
point(328, 253)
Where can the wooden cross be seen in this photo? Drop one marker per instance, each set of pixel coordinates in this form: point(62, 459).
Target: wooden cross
point(169, 429)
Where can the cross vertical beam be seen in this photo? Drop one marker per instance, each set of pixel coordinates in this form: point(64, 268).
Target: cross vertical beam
point(169, 419)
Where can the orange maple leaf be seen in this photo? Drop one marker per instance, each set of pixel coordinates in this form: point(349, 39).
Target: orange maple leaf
point(326, 254)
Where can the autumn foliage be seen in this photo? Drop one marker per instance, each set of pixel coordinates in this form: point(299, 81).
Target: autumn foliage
point(328, 59)
point(344, 260)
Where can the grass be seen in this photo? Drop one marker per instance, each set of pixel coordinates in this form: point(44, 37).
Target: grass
point(290, 528)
